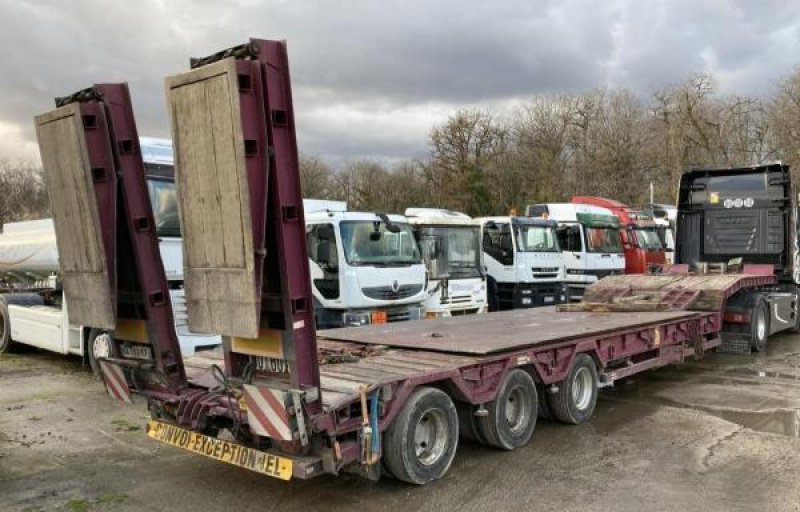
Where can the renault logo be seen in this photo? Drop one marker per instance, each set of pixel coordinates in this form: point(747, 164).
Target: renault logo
point(395, 286)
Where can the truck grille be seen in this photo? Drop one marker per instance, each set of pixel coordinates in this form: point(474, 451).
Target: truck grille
point(386, 292)
point(545, 272)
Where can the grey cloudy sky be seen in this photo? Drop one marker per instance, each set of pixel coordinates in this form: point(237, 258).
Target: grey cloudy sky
point(371, 77)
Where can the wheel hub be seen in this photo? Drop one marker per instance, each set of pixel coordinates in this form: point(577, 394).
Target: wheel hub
point(516, 410)
point(582, 388)
point(430, 437)
point(101, 346)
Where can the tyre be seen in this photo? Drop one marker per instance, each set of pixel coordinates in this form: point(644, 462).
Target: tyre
point(468, 423)
point(512, 414)
point(99, 344)
point(493, 295)
point(544, 407)
point(759, 326)
point(6, 344)
point(575, 400)
point(421, 442)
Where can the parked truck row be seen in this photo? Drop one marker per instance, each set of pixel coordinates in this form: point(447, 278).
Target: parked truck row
point(289, 402)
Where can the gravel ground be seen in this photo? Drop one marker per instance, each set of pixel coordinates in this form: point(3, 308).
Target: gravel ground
point(719, 434)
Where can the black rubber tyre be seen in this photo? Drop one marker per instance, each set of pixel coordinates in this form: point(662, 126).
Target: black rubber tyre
point(419, 445)
point(759, 327)
point(492, 295)
point(575, 400)
point(95, 350)
point(468, 423)
point(512, 414)
point(6, 344)
point(544, 406)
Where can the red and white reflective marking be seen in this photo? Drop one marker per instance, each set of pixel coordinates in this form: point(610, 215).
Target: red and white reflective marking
point(115, 382)
point(266, 412)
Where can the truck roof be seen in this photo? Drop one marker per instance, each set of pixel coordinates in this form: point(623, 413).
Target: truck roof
point(439, 216)
point(626, 214)
point(353, 216)
point(570, 212)
point(530, 221)
point(156, 150)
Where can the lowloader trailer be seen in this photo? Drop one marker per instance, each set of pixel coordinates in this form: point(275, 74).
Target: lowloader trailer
point(281, 402)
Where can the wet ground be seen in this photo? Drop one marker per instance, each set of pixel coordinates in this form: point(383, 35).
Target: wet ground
point(720, 434)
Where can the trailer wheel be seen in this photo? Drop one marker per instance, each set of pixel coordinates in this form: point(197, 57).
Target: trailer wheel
point(421, 442)
point(576, 397)
point(6, 344)
point(759, 327)
point(99, 344)
point(512, 414)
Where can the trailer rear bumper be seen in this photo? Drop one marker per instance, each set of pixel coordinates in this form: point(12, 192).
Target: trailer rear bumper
point(280, 466)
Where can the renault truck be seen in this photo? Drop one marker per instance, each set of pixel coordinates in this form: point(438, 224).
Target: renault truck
point(450, 243)
point(366, 267)
point(589, 237)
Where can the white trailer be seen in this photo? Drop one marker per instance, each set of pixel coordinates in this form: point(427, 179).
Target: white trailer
point(451, 248)
point(33, 310)
point(590, 240)
point(524, 262)
point(365, 267)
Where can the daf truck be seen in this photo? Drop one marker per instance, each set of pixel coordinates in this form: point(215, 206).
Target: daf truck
point(450, 243)
point(589, 237)
point(33, 309)
point(365, 267)
point(640, 241)
point(524, 262)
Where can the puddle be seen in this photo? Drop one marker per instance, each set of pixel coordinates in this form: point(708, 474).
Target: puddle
point(785, 422)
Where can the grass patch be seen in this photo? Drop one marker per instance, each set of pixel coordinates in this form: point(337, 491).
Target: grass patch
point(104, 502)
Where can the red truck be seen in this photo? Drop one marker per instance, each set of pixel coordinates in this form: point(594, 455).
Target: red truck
point(640, 240)
point(284, 400)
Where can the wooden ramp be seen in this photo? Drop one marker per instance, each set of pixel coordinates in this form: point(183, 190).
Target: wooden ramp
point(69, 182)
point(211, 173)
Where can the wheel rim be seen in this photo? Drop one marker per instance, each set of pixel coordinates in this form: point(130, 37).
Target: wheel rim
point(761, 325)
point(582, 388)
point(101, 346)
point(517, 410)
point(430, 436)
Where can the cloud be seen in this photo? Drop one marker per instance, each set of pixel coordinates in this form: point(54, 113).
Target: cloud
point(371, 77)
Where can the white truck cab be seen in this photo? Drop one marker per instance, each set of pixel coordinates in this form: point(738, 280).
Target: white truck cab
point(524, 263)
point(30, 291)
point(365, 267)
point(590, 240)
point(451, 248)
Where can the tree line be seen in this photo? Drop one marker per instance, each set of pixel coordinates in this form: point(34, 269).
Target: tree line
point(607, 142)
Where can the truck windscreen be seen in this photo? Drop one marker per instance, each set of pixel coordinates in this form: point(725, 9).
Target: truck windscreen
point(452, 251)
point(164, 200)
point(603, 240)
point(370, 243)
point(647, 238)
point(536, 238)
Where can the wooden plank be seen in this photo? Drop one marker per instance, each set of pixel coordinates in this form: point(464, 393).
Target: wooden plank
point(68, 179)
point(214, 202)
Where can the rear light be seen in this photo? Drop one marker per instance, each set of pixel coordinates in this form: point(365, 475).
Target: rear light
point(736, 318)
point(379, 317)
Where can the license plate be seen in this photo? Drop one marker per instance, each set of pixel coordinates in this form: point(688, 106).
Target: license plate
point(232, 453)
point(549, 299)
point(136, 351)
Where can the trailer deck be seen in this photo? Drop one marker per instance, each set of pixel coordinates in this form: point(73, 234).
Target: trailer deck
point(501, 331)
